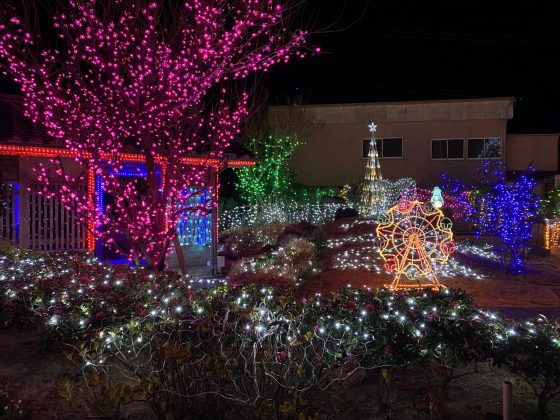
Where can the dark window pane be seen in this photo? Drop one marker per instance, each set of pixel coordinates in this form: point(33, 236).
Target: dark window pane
point(455, 149)
point(493, 147)
point(476, 148)
point(439, 149)
point(392, 148)
point(365, 148)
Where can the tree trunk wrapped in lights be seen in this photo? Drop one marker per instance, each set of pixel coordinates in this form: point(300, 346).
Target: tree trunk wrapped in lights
point(147, 76)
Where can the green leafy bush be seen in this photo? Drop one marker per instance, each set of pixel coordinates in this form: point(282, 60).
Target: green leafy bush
point(256, 350)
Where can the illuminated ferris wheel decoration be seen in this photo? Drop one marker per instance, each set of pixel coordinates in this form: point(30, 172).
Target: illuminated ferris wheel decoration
point(414, 240)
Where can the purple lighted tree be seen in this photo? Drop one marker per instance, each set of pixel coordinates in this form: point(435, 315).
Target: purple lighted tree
point(150, 76)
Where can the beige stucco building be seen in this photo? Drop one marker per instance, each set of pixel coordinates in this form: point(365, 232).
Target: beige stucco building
point(415, 139)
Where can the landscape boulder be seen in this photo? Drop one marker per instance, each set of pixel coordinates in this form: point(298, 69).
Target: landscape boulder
point(344, 212)
point(303, 229)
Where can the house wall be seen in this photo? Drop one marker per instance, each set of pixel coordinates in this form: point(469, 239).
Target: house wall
point(9, 168)
point(28, 176)
point(539, 150)
point(332, 153)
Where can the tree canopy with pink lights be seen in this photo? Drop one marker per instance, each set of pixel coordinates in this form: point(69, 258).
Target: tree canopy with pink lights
point(155, 77)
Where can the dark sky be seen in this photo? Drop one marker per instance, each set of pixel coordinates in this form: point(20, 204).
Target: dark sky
point(385, 50)
point(411, 50)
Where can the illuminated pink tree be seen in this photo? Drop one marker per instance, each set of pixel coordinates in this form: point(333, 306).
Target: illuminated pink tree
point(150, 76)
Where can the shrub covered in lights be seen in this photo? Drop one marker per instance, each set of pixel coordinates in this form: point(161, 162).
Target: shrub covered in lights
point(257, 350)
point(289, 265)
point(249, 241)
point(74, 296)
point(504, 211)
point(244, 216)
point(550, 205)
point(271, 183)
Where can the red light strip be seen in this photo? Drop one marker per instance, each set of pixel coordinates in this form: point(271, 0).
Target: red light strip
point(49, 152)
point(91, 225)
point(240, 163)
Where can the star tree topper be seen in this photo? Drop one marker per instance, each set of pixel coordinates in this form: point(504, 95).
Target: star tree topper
point(372, 127)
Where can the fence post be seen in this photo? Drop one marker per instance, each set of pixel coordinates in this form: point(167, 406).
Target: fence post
point(24, 216)
point(507, 401)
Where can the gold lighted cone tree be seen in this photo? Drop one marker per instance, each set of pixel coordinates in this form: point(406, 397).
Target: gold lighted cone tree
point(373, 173)
point(414, 239)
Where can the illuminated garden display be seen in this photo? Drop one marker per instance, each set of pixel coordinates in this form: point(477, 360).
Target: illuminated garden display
point(415, 239)
point(370, 194)
point(378, 194)
point(192, 349)
point(146, 77)
point(500, 209)
point(320, 293)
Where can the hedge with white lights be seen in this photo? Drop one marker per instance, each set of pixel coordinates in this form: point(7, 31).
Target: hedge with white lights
point(257, 349)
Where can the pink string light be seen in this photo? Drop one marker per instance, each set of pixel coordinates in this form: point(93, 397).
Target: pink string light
point(121, 79)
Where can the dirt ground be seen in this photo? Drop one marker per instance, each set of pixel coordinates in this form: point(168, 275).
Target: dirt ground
point(538, 287)
point(29, 372)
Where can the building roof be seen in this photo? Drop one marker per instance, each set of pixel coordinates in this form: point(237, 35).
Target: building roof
point(429, 110)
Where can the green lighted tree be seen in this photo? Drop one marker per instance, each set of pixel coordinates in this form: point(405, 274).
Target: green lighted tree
point(270, 180)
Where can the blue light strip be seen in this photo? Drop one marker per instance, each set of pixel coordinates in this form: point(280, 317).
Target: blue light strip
point(100, 195)
point(132, 174)
point(16, 208)
point(194, 229)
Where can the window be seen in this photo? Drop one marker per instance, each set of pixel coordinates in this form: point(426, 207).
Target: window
point(447, 149)
point(392, 148)
point(365, 147)
point(455, 149)
point(439, 149)
point(486, 148)
point(386, 148)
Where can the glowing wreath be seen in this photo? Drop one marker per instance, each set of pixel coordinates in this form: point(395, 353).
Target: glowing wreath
point(414, 238)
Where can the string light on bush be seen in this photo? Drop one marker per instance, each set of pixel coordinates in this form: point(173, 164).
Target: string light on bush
point(259, 215)
point(552, 234)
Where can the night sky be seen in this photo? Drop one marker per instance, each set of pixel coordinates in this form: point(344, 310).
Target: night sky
point(412, 50)
point(396, 50)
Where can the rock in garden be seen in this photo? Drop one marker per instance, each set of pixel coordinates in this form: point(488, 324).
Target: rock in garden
point(303, 229)
point(344, 212)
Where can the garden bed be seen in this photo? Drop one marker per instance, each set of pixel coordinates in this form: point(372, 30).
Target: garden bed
point(537, 287)
point(31, 373)
point(144, 344)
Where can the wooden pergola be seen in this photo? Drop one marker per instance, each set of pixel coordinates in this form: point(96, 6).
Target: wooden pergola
point(216, 165)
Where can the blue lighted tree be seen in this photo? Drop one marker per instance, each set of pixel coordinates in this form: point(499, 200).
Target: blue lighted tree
point(506, 211)
point(502, 210)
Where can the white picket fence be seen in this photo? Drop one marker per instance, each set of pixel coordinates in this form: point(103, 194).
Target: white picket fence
point(9, 212)
point(30, 221)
